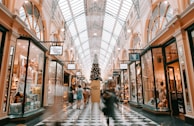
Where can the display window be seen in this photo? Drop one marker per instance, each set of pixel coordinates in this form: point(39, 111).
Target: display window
point(174, 79)
point(55, 87)
point(133, 85)
point(159, 76)
point(27, 78)
point(139, 82)
point(148, 79)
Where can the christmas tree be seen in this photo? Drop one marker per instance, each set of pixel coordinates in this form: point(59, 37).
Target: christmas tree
point(95, 72)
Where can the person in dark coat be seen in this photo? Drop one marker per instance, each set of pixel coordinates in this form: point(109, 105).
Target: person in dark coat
point(109, 100)
point(70, 96)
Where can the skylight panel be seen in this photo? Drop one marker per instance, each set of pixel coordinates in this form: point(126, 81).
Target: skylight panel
point(65, 9)
point(106, 36)
point(76, 42)
point(104, 45)
point(85, 46)
point(87, 52)
point(109, 22)
point(110, 49)
point(81, 55)
point(112, 42)
point(83, 36)
point(102, 52)
point(81, 20)
point(80, 50)
point(117, 29)
point(72, 29)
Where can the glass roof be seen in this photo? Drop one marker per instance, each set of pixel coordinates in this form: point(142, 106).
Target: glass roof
point(115, 14)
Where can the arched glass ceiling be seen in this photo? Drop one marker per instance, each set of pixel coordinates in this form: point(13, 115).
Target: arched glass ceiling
point(115, 14)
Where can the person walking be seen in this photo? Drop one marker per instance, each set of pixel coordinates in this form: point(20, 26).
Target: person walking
point(70, 96)
point(79, 96)
point(108, 110)
point(86, 96)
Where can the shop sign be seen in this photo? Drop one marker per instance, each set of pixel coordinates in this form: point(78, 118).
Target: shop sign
point(56, 50)
point(134, 56)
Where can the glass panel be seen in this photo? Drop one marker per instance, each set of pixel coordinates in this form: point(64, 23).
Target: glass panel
point(161, 89)
point(192, 46)
point(139, 82)
point(31, 16)
point(147, 79)
point(34, 81)
point(133, 82)
point(1, 53)
point(59, 80)
point(171, 52)
point(51, 86)
point(175, 84)
point(159, 19)
point(8, 80)
point(18, 77)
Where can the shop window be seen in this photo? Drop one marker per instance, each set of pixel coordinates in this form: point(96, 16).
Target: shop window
point(161, 15)
point(148, 79)
point(159, 74)
point(55, 87)
point(27, 78)
point(133, 84)
point(34, 82)
point(171, 52)
point(30, 14)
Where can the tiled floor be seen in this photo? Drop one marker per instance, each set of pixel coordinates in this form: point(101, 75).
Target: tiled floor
point(93, 116)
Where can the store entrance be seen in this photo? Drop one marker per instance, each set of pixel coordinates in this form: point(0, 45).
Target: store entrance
point(175, 89)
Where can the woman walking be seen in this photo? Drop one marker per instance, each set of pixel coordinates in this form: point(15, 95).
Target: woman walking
point(79, 96)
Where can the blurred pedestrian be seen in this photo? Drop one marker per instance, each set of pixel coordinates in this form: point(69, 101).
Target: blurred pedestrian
point(70, 96)
point(79, 96)
point(86, 96)
point(109, 100)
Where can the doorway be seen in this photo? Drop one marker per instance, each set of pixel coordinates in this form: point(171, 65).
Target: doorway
point(175, 88)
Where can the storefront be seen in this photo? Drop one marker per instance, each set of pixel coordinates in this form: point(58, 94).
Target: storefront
point(26, 91)
point(161, 79)
point(124, 85)
point(55, 83)
point(135, 83)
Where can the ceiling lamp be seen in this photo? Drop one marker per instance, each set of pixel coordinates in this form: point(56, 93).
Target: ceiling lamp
point(128, 30)
point(95, 34)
